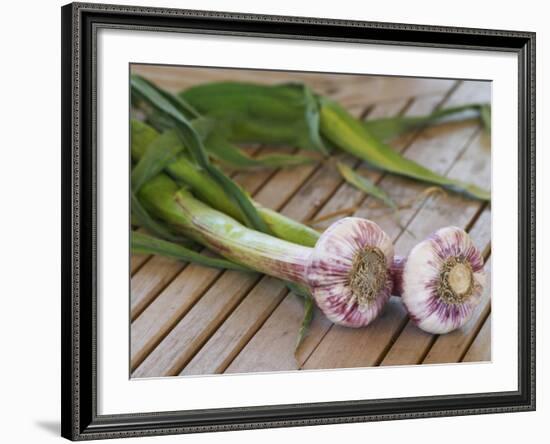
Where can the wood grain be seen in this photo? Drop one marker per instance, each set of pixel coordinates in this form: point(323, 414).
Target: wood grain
point(191, 332)
point(193, 320)
point(480, 350)
point(150, 280)
point(164, 309)
point(432, 214)
point(136, 261)
point(354, 90)
point(237, 330)
point(246, 359)
point(306, 202)
point(273, 193)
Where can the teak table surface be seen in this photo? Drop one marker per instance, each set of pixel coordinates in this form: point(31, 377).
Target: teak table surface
point(188, 319)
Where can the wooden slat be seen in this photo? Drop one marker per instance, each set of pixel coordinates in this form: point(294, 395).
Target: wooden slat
point(479, 166)
point(153, 324)
point(456, 140)
point(150, 280)
point(388, 89)
point(452, 346)
point(190, 333)
point(348, 197)
point(305, 203)
point(280, 322)
point(410, 347)
point(272, 347)
point(235, 332)
point(480, 231)
point(261, 304)
point(436, 213)
point(136, 261)
point(344, 347)
point(353, 90)
point(165, 309)
point(280, 187)
point(480, 350)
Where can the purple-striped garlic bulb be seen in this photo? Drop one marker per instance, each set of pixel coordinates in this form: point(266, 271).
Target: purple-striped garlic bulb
point(441, 281)
point(348, 272)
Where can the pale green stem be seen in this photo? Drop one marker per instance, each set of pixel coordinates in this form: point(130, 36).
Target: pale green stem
point(223, 234)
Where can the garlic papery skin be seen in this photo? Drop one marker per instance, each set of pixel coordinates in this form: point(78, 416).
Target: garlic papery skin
point(442, 281)
point(396, 269)
point(348, 271)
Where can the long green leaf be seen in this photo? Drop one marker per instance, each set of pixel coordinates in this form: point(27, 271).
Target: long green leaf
point(209, 191)
point(288, 229)
point(313, 118)
point(364, 184)
point(224, 151)
point(192, 141)
point(350, 135)
point(162, 151)
point(227, 153)
point(183, 169)
point(389, 127)
point(250, 113)
point(309, 307)
point(145, 244)
point(177, 102)
point(159, 156)
point(279, 114)
point(141, 136)
point(141, 217)
point(485, 112)
point(230, 155)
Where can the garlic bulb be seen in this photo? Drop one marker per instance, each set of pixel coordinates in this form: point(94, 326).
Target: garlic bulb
point(348, 271)
point(441, 281)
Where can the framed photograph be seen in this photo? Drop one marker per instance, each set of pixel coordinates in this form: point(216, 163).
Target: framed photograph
point(279, 221)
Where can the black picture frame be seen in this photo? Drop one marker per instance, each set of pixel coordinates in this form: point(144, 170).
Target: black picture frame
point(78, 334)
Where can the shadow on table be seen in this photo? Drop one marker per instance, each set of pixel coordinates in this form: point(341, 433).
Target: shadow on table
point(53, 427)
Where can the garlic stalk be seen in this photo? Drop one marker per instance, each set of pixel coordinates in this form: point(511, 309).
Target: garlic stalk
point(441, 281)
point(347, 271)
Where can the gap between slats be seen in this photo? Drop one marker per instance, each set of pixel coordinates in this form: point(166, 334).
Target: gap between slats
point(415, 213)
point(297, 190)
point(464, 148)
point(402, 147)
point(259, 325)
point(257, 189)
point(182, 266)
point(291, 195)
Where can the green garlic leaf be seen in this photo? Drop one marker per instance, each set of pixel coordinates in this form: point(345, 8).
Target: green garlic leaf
point(389, 127)
point(250, 113)
point(309, 309)
point(230, 155)
point(191, 140)
point(145, 244)
point(364, 184)
point(350, 135)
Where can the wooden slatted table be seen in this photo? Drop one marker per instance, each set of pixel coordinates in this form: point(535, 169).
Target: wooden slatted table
point(188, 319)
